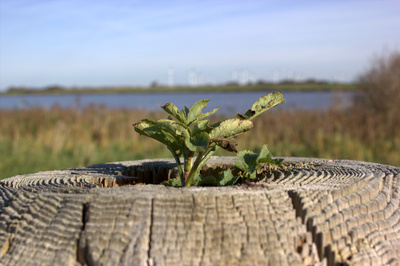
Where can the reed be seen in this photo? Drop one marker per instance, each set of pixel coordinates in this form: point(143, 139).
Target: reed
point(39, 139)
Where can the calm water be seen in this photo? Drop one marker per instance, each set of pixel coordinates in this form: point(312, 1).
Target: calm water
point(230, 102)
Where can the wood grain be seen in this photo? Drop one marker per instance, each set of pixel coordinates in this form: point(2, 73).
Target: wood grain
point(310, 212)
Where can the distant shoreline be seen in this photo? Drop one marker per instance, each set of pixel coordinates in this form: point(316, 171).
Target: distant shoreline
point(186, 89)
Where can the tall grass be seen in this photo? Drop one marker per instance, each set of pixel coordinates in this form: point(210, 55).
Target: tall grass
point(45, 139)
point(39, 139)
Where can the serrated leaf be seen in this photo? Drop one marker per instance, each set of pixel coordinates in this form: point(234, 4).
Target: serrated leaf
point(248, 163)
point(230, 128)
point(249, 158)
point(227, 178)
point(262, 105)
point(265, 156)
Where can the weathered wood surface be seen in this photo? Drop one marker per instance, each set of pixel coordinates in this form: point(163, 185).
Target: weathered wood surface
point(314, 212)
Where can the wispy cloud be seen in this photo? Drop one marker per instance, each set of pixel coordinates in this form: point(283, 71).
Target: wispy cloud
point(134, 42)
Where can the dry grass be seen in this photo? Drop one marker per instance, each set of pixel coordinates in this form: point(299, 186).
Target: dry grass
point(40, 139)
point(45, 139)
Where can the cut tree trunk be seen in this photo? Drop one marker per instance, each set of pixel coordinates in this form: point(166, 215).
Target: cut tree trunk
point(311, 211)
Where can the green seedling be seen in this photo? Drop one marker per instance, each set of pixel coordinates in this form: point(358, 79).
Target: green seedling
point(250, 163)
point(189, 135)
point(249, 166)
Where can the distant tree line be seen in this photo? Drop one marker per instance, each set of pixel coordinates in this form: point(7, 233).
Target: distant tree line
point(23, 89)
point(154, 85)
point(284, 81)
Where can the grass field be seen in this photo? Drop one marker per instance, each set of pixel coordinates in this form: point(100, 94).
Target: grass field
point(40, 139)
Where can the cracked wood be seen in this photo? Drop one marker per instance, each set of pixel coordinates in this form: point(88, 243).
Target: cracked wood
point(314, 212)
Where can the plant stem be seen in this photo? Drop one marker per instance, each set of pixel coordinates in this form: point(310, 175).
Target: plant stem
point(194, 169)
point(207, 154)
point(201, 159)
point(178, 163)
point(188, 162)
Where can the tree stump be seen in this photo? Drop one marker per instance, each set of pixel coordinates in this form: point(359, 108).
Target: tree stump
point(310, 211)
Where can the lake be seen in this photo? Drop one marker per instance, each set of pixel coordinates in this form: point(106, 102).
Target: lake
point(230, 102)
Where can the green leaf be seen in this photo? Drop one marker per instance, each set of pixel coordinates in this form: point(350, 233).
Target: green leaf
point(174, 140)
point(202, 139)
point(249, 158)
point(195, 111)
point(187, 116)
point(277, 162)
point(230, 128)
point(265, 156)
point(175, 132)
point(242, 166)
point(202, 126)
point(154, 130)
point(184, 115)
point(202, 116)
point(171, 109)
point(174, 127)
point(174, 182)
point(262, 105)
point(264, 152)
point(198, 143)
point(250, 162)
point(208, 181)
point(227, 178)
point(174, 111)
point(195, 114)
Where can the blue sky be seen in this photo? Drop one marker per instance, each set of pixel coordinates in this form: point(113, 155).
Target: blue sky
point(112, 43)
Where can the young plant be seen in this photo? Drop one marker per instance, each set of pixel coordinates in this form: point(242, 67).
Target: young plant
point(189, 135)
point(250, 163)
